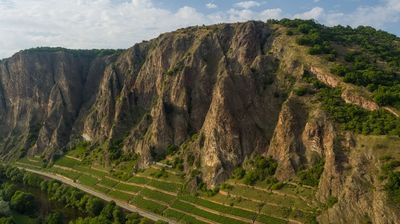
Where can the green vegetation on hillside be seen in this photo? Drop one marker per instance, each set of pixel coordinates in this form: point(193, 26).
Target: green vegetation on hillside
point(364, 56)
point(312, 175)
point(259, 169)
point(76, 52)
point(353, 118)
point(392, 177)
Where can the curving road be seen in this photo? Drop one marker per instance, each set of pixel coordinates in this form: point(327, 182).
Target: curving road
point(103, 196)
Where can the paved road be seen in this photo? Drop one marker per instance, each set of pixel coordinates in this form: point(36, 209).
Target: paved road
point(105, 197)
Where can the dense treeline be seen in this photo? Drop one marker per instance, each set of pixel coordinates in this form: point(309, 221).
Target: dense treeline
point(76, 52)
point(97, 210)
point(367, 57)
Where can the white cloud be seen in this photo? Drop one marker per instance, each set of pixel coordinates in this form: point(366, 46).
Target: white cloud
point(247, 4)
point(211, 5)
point(394, 4)
point(235, 15)
point(101, 23)
point(86, 24)
point(271, 14)
point(316, 1)
point(314, 13)
point(378, 15)
point(108, 24)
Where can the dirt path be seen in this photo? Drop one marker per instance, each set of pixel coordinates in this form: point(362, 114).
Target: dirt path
point(74, 158)
point(392, 111)
point(105, 197)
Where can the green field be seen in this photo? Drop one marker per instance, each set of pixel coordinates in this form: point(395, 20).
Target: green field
point(186, 207)
point(87, 180)
point(170, 187)
point(181, 217)
point(157, 195)
point(140, 202)
point(220, 208)
point(126, 187)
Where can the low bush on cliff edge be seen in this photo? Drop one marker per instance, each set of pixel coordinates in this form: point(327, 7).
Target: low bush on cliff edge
point(312, 175)
point(259, 169)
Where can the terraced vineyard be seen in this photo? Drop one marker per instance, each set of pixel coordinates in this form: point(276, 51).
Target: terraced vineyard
point(165, 195)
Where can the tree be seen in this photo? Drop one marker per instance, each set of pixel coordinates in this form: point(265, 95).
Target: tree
point(133, 218)
point(31, 180)
point(8, 191)
point(4, 208)
point(94, 206)
point(250, 178)
point(23, 202)
point(118, 216)
point(54, 218)
point(238, 173)
point(107, 211)
point(6, 220)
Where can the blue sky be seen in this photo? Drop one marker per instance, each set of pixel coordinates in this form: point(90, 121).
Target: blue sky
point(122, 23)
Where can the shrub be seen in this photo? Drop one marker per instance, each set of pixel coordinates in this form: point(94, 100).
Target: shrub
point(339, 70)
point(260, 169)
point(385, 157)
point(226, 186)
point(160, 173)
point(393, 187)
point(301, 91)
point(311, 176)
point(171, 149)
point(304, 28)
point(331, 201)
point(277, 186)
point(238, 173)
point(250, 178)
point(209, 192)
point(390, 166)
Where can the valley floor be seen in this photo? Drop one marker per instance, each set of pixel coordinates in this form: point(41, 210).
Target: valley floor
point(103, 196)
point(163, 198)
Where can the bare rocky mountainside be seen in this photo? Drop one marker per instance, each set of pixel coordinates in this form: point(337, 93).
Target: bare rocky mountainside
point(219, 96)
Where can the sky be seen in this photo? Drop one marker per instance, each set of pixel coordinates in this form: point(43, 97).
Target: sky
point(87, 24)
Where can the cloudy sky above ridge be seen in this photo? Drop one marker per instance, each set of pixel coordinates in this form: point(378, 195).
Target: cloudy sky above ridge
point(122, 23)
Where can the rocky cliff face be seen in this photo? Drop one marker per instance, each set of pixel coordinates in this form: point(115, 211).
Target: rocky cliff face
point(223, 90)
point(42, 94)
